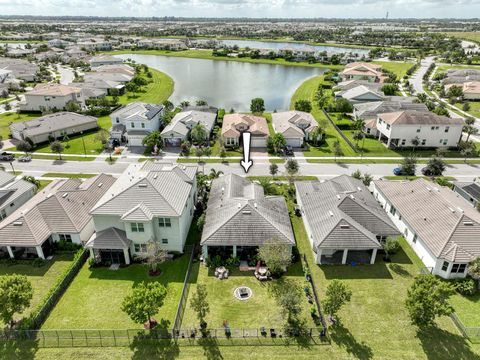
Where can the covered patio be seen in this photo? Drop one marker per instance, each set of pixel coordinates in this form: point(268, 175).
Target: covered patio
point(27, 251)
point(347, 256)
point(110, 245)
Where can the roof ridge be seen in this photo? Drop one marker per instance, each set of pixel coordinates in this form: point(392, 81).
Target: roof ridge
point(268, 220)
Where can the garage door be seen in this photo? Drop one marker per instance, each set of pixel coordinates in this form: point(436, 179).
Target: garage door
point(294, 142)
point(258, 142)
point(173, 142)
point(135, 141)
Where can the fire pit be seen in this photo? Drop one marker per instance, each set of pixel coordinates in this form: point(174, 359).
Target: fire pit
point(243, 293)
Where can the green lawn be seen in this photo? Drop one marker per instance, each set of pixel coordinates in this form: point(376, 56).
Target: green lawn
point(260, 310)
point(398, 68)
point(207, 54)
point(472, 36)
point(474, 108)
point(42, 278)
point(12, 117)
point(467, 309)
point(68, 175)
point(307, 91)
point(93, 300)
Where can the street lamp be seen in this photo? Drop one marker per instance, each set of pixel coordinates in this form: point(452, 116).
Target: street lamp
point(11, 164)
point(83, 143)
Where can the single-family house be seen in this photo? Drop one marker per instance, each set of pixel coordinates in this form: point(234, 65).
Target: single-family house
point(360, 94)
point(362, 71)
point(116, 68)
point(441, 227)
point(344, 222)
point(470, 191)
point(51, 96)
point(177, 130)
point(52, 126)
point(21, 69)
point(104, 60)
point(135, 121)
point(14, 193)
point(471, 89)
point(370, 110)
point(240, 218)
point(234, 125)
point(398, 129)
point(351, 84)
point(295, 126)
point(149, 202)
point(59, 212)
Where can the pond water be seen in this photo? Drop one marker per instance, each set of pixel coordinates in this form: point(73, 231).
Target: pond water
point(229, 84)
point(287, 45)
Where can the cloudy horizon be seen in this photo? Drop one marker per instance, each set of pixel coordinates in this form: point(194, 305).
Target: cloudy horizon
point(376, 9)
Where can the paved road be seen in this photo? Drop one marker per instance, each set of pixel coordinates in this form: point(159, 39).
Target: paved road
point(39, 167)
point(417, 78)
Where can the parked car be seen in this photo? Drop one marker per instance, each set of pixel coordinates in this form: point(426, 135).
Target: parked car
point(5, 156)
point(428, 171)
point(25, 158)
point(398, 171)
point(288, 150)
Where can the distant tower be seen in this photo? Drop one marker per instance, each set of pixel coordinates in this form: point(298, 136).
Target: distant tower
point(386, 17)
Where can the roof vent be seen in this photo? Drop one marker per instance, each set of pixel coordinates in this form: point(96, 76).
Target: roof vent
point(344, 226)
point(330, 213)
point(429, 189)
point(352, 197)
point(223, 189)
point(338, 197)
point(100, 185)
point(255, 205)
point(18, 223)
point(239, 205)
point(468, 223)
point(460, 209)
point(359, 188)
point(142, 185)
point(64, 195)
point(155, 176)
point(246, 212)
point(451, 209)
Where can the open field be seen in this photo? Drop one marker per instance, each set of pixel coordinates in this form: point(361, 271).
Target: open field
point(207, 55)
point(42, 278)
point(398, 68)
point(472, 36)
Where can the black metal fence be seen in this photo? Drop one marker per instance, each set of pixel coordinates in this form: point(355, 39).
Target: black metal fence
point(108, 338)
point(186, 287)
point(345, 137)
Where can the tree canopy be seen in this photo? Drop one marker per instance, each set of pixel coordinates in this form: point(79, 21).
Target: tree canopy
point(16, 292)
point(144, 301)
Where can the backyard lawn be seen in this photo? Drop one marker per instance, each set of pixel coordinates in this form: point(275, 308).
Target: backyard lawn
point(93, 300)
point(398, 68)
point(12, 117)
point(42, 278)
point(260, 310)
point(307, 91)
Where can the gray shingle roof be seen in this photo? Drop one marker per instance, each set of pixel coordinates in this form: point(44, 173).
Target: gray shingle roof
point(185, 120)
point(342, 213)
point(147, 111)
point(52, 122)
point(155, 189)
point(447, 224)
point(471, 188)
point(297, 121)
point(61, 207)
point(111, 238)
point(13, 190)
point(372, 109)
point(5, 178)
point(238, 213)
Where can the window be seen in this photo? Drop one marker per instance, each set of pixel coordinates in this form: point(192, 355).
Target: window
point(65, 237)
point(447, 128)
point(392, 210)
point(164, 241)
point(143, 125)
point(424, 141)
point(403, 142)
point(418, 130)
point(406, 232)
point(445, 266)
point(3, 214)
point(132, 125)
point(164, 222)
point(432, 128)
point(458, 268)
point(137, 227)
point(117, 120)
point(445, 141)
point(140, 248)
point(388, 126)
point(414, 238)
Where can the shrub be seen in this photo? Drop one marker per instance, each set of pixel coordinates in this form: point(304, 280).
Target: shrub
point(467, 286)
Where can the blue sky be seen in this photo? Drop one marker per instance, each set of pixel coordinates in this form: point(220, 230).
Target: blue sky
point(247, 8)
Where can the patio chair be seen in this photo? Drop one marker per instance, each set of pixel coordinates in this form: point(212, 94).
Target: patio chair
point(273, 334)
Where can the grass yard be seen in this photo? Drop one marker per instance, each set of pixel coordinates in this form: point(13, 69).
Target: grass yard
point(260, 310)
point(398, 68)
point(42, 278)
point(467, 309)
point(94, 298)
point(307, 91)
point(472, 36)
point(474, 108)
point(12, 117)
point(68, 175)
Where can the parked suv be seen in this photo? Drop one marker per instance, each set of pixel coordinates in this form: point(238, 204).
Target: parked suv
point(5, 156)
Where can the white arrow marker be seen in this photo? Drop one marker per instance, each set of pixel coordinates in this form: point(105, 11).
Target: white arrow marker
point(246, 162)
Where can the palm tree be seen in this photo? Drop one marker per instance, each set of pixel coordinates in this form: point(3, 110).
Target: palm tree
point(198, 134)
point(215, 174)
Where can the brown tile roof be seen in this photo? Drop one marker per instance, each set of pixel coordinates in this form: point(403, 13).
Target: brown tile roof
point(255, 124)
point(53, 90)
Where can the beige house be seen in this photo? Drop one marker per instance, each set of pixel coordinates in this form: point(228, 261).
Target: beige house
point(362, 71)
point(471, 89)
point(51, 96)
point(295, 126)
point(234, 125)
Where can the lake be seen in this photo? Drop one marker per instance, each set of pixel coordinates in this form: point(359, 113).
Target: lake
point(229, 84)
point(273, 45)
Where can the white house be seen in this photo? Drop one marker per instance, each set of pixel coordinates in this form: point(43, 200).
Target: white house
point(177, 130)
point(51, 96)
point(104, 60)
point(137, 120)
point(442, 228)
point(59, 212)
point(360, 94)
point(13, 193)
point(362, 71)
point(149, 202)
point(398, 129)
point(295, 126)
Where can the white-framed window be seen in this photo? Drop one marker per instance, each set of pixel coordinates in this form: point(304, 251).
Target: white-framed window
point(415, 237)
point(424, 141)
point(132, 125)
point(117, 120)
point(388, 126)
point(164, 222)
point(137, 227)
point(65, 237)
point(164, 241)
point(445, 141)
point(230, 141)
point(143, 125)
point(406, 232)
point(403, 142)
point(140, 248)
point(418, 130)
point(458, 268)
point(392, 210)
point(3, 214)
point(447, 128)
point(445, 266)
